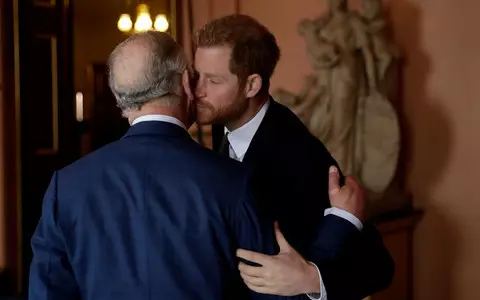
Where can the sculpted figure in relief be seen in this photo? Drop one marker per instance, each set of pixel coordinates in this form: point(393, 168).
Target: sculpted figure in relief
point(344, 101)
point(334, 41)
point(387, 55)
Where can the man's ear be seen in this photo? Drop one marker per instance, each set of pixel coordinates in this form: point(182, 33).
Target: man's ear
point(186, 84)
point(253, 85)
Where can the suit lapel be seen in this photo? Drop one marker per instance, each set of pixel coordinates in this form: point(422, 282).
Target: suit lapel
point(264, 138)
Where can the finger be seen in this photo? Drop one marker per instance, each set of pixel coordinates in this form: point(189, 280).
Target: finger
point(333, 181)
point(254, 281)
point(250, 270)
point(261, 289)
point(255, 257)
point(352, 184)
point(351, 181)
point(282, 242)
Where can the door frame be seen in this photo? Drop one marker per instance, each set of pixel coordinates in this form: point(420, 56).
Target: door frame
point(11, 126)
point(11, 123)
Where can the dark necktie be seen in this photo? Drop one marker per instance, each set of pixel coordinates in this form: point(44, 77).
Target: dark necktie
point(225, 146)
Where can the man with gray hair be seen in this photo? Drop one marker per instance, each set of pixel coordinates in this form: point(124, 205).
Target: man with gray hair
point(153, 215)
point(147, 69)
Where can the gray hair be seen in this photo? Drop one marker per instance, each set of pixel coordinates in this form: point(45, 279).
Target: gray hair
point(146, 67)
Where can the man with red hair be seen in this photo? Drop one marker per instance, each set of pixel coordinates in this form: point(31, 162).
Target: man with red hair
point(331, 250)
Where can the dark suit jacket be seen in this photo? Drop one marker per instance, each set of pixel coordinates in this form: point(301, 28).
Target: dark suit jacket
point(290, 168)
point(151, 216)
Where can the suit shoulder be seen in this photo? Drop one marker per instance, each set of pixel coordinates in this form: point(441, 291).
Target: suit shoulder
point(219, 164)
point(292, 131)
point(96, 159)
point(297, 146)
point(286, 120)
point(226, 181)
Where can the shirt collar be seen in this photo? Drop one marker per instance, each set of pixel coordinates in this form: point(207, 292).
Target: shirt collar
point(161, 118)
point(241, 137)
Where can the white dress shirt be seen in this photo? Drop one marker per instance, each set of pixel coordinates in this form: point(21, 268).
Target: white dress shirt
point(161, 118)
point(240, 140)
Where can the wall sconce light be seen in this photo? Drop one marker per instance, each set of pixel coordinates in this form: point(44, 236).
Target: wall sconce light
point(143, 21)
point(79, 106)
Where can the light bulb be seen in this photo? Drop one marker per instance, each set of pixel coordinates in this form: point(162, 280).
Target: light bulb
point(161, 23)
point(143, 22)
point(124, 23)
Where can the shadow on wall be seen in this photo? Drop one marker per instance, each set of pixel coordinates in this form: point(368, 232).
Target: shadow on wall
point(427, 137)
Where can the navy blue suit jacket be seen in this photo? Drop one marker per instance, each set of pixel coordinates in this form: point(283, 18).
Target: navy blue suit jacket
point(151, 216)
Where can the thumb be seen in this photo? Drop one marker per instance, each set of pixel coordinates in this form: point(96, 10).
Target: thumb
point(282, 242)
point(333, 181)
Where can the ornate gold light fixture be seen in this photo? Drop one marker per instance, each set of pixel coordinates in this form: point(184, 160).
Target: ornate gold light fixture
point(143, 21)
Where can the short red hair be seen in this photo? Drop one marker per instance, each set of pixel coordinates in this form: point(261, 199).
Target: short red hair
point(254, 48)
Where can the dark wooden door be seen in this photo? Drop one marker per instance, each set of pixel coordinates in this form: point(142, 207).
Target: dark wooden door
point(107, 124)
point(49, 138)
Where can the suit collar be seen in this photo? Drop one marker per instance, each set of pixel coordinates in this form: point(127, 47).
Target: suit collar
point(159, 117)
point(266, 132)
point(159, 128)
